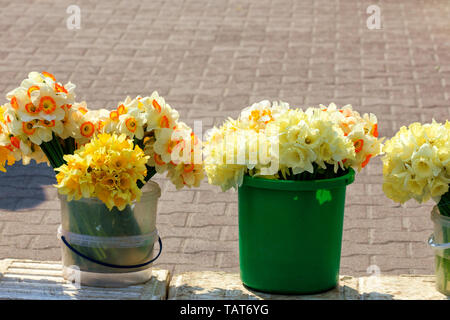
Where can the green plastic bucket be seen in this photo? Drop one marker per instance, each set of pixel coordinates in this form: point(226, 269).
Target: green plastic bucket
point(290, 233)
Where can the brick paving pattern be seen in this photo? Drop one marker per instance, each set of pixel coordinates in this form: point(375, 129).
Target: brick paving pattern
point(209, 59)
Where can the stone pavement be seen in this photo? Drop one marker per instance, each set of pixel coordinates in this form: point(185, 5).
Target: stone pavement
point(209, 59)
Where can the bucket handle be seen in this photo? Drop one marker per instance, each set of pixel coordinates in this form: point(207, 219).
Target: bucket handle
point(440, 246)
point(113, 265)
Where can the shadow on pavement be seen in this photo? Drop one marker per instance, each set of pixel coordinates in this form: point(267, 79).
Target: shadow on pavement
point(23, 187)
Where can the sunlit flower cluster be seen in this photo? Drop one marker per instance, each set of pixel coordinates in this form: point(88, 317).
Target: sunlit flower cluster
point(273, 141)
point(416, 164)
point(42, 121)
point(108, 167)
point(362, 132)
point(171, 145)
point(37, 109)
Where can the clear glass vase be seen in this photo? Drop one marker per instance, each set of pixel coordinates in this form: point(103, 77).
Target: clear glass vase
point(440, 241)
point(109, 248)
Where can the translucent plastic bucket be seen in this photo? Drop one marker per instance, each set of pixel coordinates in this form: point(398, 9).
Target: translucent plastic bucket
point(109, 248)
point(440, 242)
point(290, 233)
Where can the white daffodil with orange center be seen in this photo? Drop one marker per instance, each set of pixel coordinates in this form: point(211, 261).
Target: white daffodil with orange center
point(31, 110)
point(159, 114)
point(29, 127)
point(31, 130)
point(47, 95)
point(258, 115)
point(132, 123)
point(47, 105)
point(31, 89)
point(35, 111)
point(154, 159)
point(166, 143)
point(87, 129)
point(56, 126)
point(80, 123)
point(100, 118)
point(25, 109)
point(189, 175)
point(112, 124)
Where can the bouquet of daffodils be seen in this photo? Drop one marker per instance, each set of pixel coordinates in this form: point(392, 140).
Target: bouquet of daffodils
point(107, 168)
point(274, 141)
point(416, 164)
point(103, 154)
point(42, 121)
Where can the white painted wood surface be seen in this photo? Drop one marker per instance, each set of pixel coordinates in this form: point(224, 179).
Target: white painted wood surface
point(28, 279)
point(228, 286)
point(42, 280)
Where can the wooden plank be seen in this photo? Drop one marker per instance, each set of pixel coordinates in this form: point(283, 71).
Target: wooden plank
point(33, 271)
point(53, 286)
point(32, 278)
point(28, 279)
point(36, 265)
point(46, 291)
point(4, 265)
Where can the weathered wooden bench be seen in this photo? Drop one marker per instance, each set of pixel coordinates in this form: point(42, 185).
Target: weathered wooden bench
point(28, 279)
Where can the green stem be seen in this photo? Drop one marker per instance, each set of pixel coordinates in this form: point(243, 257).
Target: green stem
point(151, 171)
point(49, 154)
point(69, 144)
point(138, 142)
point(444, 204)
point(81, 225)
point(54, 152)
point(57, 156)
point(58, 149)
point(443, 265)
